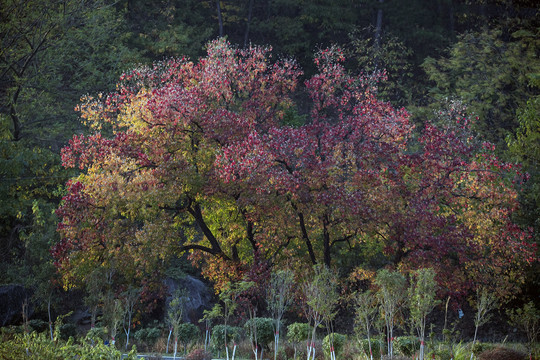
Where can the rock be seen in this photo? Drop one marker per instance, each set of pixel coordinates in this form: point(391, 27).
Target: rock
point(12, 298)
point(199, 296)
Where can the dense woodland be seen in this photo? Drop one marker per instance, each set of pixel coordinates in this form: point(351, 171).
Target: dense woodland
point(68, 67)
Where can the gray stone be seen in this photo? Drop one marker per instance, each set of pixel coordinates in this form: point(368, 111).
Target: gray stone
point(199, 296)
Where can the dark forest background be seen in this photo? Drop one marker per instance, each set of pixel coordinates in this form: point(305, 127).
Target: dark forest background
point(483, 52)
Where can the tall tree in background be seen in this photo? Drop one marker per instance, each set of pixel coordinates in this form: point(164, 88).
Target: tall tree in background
point(53, 51)
point(491, 74)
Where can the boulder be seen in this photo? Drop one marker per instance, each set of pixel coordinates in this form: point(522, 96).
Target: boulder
point(199, 295)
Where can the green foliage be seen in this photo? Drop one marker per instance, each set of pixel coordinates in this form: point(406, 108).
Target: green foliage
point(164, 29)
point(39, 346)
point(265, 330)
point(38, 325)
point(234, 334)
point(378, 346)
point(527, 318)
point(187, 333)
point(480, 347)
point(147, 336)
point(175, 313)
point(97, 332)
point(298, 332)
point(407, 345)
point(68, 330)
point(422, 300)
point(74, 48)
point(338, 341)
point(366, 310)
point(392, 55)
point(491, 74)
point(322, 295)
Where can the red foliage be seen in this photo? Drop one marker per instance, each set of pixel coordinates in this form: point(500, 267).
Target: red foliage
point(201, 145)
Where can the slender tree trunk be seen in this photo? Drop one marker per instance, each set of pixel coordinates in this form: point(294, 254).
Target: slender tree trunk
point(326, 236)
point(250, 13)
point(378, 33)
point(451, 16)
point(220, 18)
point(168, 340)
point(306, 238)
point(378, 25)
point(50, 318)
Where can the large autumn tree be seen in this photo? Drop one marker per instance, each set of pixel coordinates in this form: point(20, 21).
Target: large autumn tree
point(202, 161)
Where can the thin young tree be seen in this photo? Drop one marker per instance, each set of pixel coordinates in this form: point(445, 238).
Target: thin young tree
point(391, 295)
point(366, 311)
point(130, 298)
point(280, 297)
point(229, 297)
point(321, 300)
point(528, 319)
point(175, 314)
point(422, 301)
point(485, 302)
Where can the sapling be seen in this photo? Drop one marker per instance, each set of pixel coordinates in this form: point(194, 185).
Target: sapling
point(130, 298)
point(422, 301)
point(321, 299)
point(366, 311)
point(391, 294)
point(528, 319)
point(175, 314)
point(279, 299)
point(228, 296)
point(485, 302)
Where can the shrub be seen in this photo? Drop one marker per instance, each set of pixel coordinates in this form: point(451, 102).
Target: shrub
point(218, 335)
point(265, 330)
point(38, 325)
point(298, 332)
point(39, 346)
point(187, 332)
point(97, 332)
point(407, 345)
point(376, 346)
point(480, 347)
point(339, 343)
point(146, 337)
point(440, 354)
point(199, 354)
point(68, 330)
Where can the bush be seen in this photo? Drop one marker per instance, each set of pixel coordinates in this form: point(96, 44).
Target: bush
point(480, 347)
point(187, 332)
point(218, 335)
point(440, 354)
point(38, 325)
point(339, 344)
point(376, 346)
point(39, 346)
point(407, 345)
point(199, 354)
point(68, 330)
point(298, 332)
point(265, 330)
point(146, 337)
point(98, 332)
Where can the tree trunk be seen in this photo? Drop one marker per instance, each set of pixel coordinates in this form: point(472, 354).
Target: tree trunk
point(220, 18)
point(250, 13)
